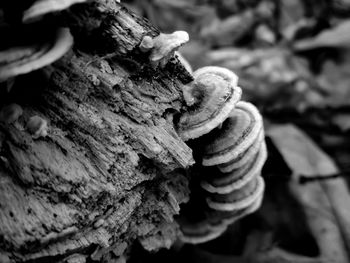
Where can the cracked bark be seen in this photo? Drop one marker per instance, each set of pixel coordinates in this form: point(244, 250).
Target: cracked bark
point(110, 170)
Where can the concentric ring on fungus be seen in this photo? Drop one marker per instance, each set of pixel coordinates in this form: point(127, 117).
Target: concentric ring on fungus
point(225, 73)
point(201, 232)
point(238, 199)
point(237, 134)
point(28, 56)
point(244, 157)
point(43, 7)
point(215, 96)
point(228, 182)
point(229, 217)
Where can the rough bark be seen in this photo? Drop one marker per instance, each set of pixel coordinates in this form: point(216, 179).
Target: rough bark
point(110, 170)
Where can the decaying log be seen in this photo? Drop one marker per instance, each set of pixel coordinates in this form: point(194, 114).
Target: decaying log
point(109, 171)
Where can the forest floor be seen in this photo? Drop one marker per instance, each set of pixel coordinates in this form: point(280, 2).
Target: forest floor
point(293, 61)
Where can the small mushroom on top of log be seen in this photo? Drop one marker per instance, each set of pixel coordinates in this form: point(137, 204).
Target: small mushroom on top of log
point(37, 127)
point(163, 46)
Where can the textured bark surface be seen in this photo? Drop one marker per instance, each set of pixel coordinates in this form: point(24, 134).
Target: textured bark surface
point(107, 173)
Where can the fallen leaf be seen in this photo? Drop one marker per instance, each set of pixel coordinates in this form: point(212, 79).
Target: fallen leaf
point(327, 202)
point(334, 80)
point(300, 152)
point(339, 36)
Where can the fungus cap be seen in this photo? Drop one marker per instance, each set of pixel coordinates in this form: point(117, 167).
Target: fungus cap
point(238, 199)
point(43, 7)
point(24, 59)
point(201, 232)
point(225, 73)
point(236, 179)
point(37, 127)
point(237, 134)
point(244, 157)
point(165, 44)
point(243, 212)
point(215, 96)
point(146, 44)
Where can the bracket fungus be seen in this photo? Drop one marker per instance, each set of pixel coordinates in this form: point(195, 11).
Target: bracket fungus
point(237, 134)
point(37, 127)
point(30, 55)
point(214, 221)
point(233, 156)
point(226, 182)
point(229, 217)
point(201, 232)
point(245, 156)
point(237, 199)
point(215, 94)
point(43, 7)
point(163, 46)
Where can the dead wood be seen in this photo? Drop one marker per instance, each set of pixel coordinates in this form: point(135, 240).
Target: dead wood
point(104, 175)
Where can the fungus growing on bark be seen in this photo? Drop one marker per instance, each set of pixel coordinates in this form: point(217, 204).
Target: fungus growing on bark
point(224, 183)
point(43, 7)
point(225, 73)
point(238, 199)
point(201, 232)
point(37, 127)
point(146, 44)
point(234, 152)
point(237, 134)
point(163, 46)
point(244, 157)
point(24, 58)
point(215, 222)
point(215, 94)
point(229, 217)
point(10, 113)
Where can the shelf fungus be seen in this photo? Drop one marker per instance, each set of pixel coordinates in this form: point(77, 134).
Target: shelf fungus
point(43, 7)
point(229, 217)
point(237, 199)
point(214, 94)
point(35, 50)
point(163, 46)
point(244, 157)
point(238, 132)
point(232, 153)
point(215, 220)
point(37, 127)
point(224, 183)
point(202, 231)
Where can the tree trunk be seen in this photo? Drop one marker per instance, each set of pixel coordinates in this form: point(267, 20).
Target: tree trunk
point(110, 170)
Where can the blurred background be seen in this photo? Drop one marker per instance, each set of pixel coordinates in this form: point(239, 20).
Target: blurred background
point(293, 62)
